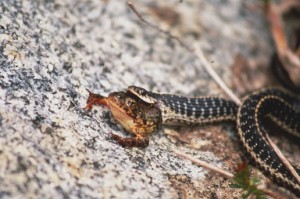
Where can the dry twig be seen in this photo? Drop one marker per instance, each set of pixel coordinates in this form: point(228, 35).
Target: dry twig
point(132, 7)
point(204, 164)
point(283, 159)
point(215, 76)
point(198, 53)
point(222, 172)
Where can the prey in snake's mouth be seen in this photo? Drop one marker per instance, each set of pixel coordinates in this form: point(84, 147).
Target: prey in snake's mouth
point(136, 116)
point(142, 112)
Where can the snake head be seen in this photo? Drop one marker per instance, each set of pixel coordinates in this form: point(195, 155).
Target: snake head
point(142, 94)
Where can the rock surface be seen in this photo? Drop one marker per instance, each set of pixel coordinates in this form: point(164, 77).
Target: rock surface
point(51, 51)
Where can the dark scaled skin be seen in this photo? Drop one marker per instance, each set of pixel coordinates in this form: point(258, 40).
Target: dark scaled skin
point(137, 117)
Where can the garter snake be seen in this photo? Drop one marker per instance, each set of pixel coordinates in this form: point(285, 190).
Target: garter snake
point(142, 112)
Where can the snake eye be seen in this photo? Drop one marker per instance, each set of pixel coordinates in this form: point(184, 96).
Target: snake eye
point(142, 92)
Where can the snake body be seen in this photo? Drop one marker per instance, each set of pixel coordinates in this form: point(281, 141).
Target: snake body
point(276, 104)
point(143, 112)
point(179, 110)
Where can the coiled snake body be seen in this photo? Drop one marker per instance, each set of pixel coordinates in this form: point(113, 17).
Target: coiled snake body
point(142, 112)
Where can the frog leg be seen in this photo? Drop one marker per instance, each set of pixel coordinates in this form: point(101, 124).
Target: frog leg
point(140, 140)
point(95, 99)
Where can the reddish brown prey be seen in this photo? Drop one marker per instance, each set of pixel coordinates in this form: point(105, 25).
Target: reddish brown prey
point(136, 116)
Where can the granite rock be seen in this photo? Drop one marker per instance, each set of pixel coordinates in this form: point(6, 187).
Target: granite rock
point(51, 51)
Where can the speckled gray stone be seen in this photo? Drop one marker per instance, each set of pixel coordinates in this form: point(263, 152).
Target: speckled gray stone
point(51, 51)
